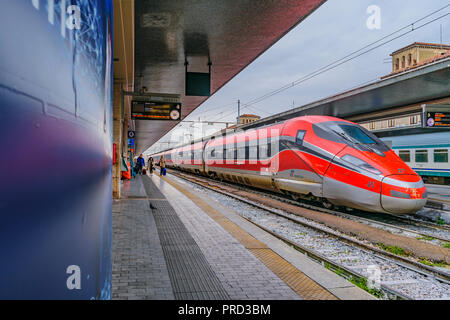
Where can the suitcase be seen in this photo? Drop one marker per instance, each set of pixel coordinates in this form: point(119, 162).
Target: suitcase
point(144, 171)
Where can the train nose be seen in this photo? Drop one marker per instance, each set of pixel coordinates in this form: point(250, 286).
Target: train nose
point(403, 194)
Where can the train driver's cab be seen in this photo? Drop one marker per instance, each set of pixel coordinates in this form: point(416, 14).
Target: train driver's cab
point(350, 134)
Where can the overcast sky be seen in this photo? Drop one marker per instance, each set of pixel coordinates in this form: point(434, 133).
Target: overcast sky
point(336, 29)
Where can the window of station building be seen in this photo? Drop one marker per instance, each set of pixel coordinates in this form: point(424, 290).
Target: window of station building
point(414, 119)
point(397, 64)
point(391, 123)
point(405, 155)
point(440, 155)
point(403, 61)
point(409, 59)
point(372, 125)
point(421, 155)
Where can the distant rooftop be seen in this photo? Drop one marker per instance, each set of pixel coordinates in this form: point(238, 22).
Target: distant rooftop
point(250, 116)
point(423, 45)
point(420, 64)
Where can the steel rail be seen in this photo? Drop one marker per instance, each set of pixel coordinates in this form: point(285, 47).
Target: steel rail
point(415, 266)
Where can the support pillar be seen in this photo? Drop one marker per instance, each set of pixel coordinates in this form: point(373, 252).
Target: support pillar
point(117, 136)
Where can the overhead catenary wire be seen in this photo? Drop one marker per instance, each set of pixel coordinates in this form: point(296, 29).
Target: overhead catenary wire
point(345, 59)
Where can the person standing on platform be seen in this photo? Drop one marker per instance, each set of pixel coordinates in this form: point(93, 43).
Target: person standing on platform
point(140, 164)
point(162, 165)
point(150, 165)
point(132, 166)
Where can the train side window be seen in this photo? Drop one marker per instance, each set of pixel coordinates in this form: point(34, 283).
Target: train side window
point(263, 151)
point(405, 155)
point(230, 153)
point(253, 152)
point(421, 155)
point(300, 136)
point(213, 153)
point(440, 155)
point(241, 153)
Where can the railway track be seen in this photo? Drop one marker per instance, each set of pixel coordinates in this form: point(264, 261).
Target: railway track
point(334, 257)
point(410, 227)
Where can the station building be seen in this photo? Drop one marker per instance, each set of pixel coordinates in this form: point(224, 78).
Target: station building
point(247, 118)
point(417, 54)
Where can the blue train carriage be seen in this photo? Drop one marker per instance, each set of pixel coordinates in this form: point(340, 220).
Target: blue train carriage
point(427, 154)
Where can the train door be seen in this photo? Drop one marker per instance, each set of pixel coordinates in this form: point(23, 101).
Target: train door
point(298, 161)
point(345, 185)
point(204, 156)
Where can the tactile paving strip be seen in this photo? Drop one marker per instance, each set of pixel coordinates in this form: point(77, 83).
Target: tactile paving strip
point(294, 278)
point(304, 286)
point(190, 273)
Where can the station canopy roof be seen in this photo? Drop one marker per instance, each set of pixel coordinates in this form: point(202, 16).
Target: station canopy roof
point(430, 82)
point(230, 33)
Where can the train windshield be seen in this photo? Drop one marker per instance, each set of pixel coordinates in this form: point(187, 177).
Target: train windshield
point(355, 133)
point(351, 134)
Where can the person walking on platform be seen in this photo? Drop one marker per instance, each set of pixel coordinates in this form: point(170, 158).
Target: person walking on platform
point(162, 165)
point(150, 165)
point(140, 164)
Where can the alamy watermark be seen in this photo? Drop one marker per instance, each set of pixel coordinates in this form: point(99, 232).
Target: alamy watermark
point(70, 15)
point(374, 277)
point(373, 22)
point(74, 279)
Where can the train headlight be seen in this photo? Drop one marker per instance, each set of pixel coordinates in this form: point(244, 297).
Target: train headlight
point(360, 163)
point(399, 194)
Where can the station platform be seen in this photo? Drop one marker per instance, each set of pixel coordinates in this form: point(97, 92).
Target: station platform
point(439, 193)
point(438, 205)
point(169, 243)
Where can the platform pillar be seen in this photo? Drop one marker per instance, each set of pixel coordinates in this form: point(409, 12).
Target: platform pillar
point(117, 136)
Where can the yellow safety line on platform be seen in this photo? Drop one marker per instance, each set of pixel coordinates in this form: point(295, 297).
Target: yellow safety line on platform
point(304, 286)
point(146, 199)
point(439, 200)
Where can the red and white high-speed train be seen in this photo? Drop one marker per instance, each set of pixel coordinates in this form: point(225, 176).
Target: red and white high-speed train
point(315, 157)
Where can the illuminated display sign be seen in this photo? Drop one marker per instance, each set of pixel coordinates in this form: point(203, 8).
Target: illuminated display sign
point(148, 110)
point(436, 116)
